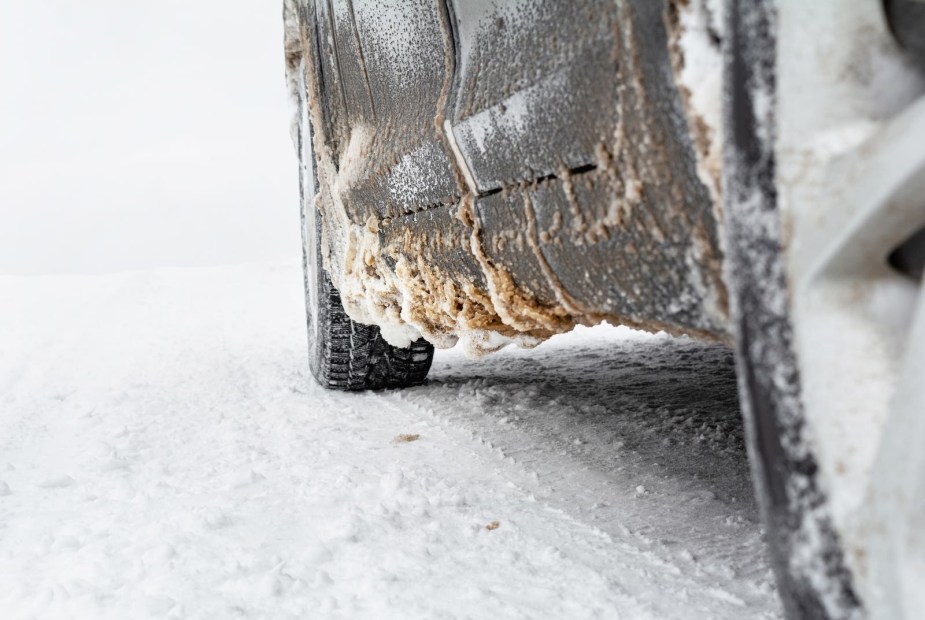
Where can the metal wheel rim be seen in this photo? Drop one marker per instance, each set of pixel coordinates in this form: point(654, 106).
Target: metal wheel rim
point(850, 149)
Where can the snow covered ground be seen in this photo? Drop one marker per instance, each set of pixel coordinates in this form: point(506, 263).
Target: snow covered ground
point(163, 453)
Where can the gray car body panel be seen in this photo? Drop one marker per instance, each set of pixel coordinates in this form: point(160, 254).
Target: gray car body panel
point(534, 154)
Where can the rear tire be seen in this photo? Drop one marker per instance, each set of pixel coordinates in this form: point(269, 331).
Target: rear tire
point(346, 355)
point(343, 354)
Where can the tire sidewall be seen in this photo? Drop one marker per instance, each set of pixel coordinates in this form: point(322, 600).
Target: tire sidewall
point(805, 550)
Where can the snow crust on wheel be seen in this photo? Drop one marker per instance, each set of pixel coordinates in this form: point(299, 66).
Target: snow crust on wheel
point(824, 178)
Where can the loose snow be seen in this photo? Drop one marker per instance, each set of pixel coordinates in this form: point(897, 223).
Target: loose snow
point(164, 453)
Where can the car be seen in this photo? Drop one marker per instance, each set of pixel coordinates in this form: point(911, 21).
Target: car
point(492, 172)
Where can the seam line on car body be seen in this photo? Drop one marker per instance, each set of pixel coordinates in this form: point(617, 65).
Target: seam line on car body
point(578, 170)
point(361, 56)
point(340, 72)
point(461, 162)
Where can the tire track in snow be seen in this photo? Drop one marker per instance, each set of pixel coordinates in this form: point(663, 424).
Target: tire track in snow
point(677, 521)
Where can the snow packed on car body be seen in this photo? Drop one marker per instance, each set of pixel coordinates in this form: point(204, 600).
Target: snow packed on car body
point(457, 190)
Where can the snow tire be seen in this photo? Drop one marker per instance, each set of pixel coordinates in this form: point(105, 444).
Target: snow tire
point(346, 355)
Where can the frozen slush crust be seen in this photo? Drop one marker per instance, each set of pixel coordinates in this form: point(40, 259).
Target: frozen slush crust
point(627, 231)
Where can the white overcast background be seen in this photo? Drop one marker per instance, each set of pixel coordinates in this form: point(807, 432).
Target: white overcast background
point(137, 135)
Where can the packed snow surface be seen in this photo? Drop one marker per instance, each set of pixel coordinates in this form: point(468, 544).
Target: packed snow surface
point(164, 453)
